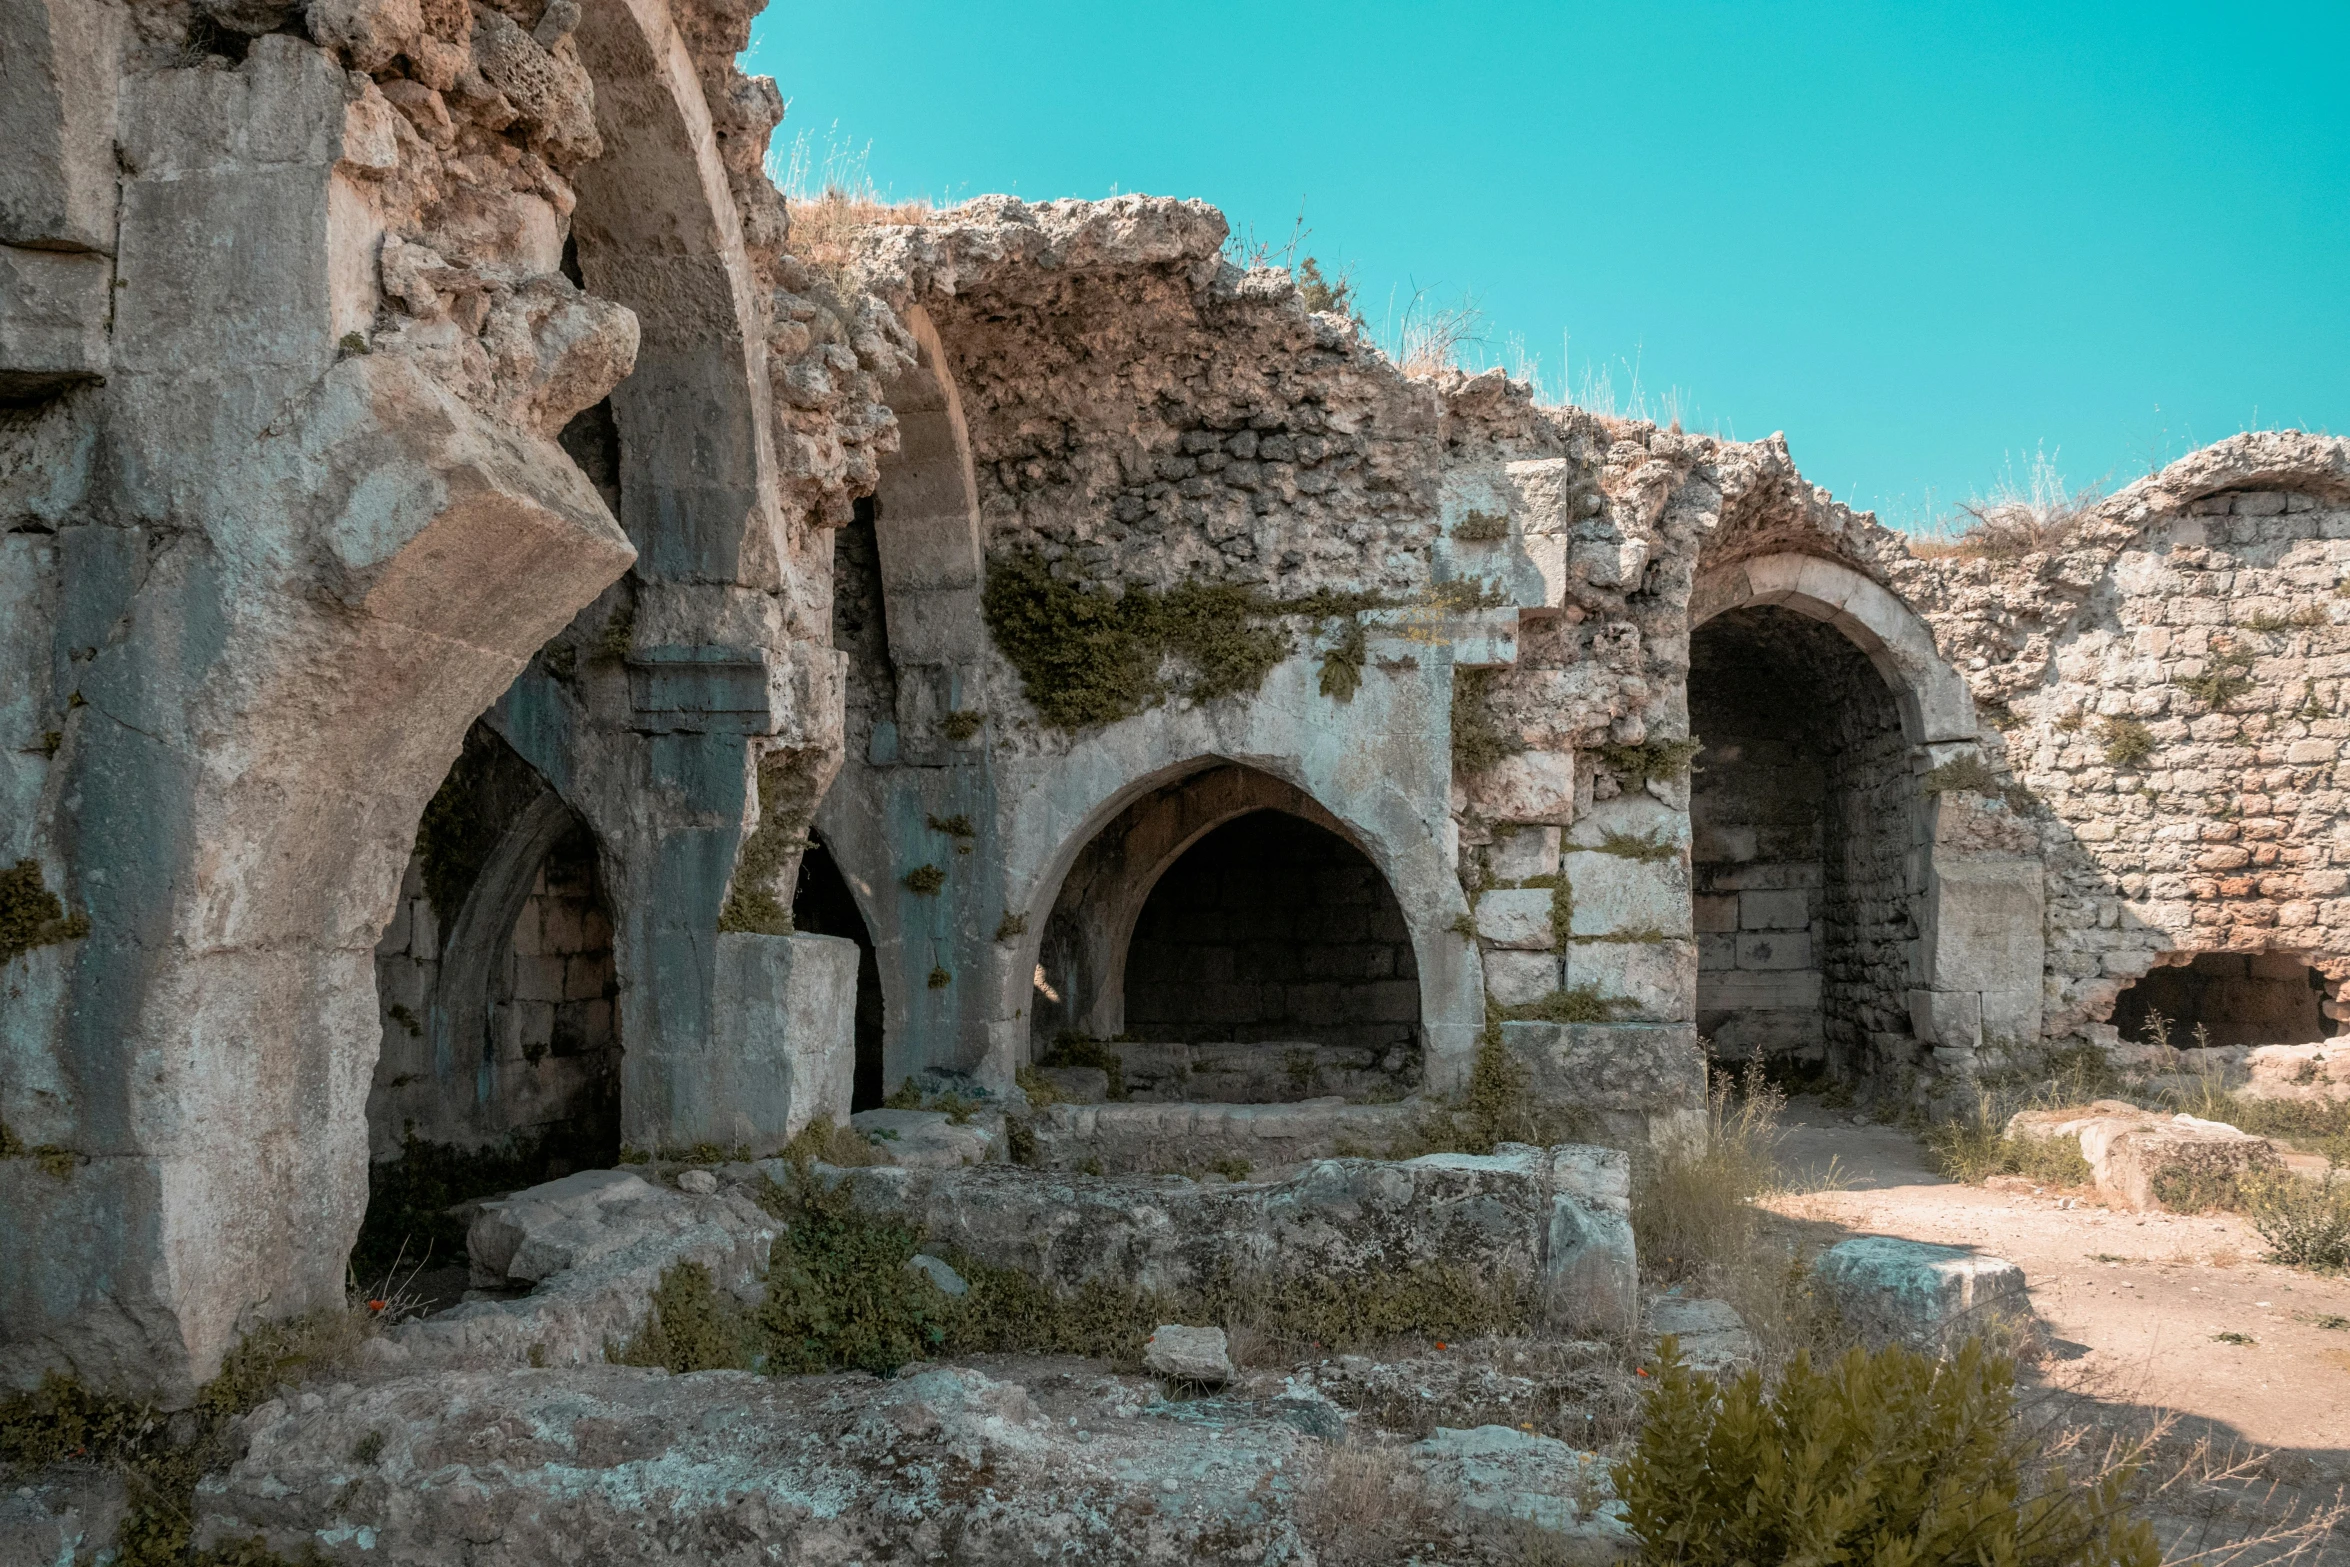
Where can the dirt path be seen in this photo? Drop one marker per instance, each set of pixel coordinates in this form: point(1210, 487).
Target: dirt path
point(2138, 1302)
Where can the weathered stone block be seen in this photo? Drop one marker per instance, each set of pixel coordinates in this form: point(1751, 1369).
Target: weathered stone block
point(1918, 1294)
point(2140, 1158)
point(1530, 786)
point(1644, 1080)
point(1782, 910)
point(1523, 851)
point(1557, 1218)
point(928, 1140)
point(1514, 978)
point(1658, 978)
point(1536, 1483)
point(1950, 1018)
point(1188, 1354)
point(1716, 912)
point(1789, 949)
point(55, 307)
point(1516, 917)
point(1614, 893)
point(59, 63)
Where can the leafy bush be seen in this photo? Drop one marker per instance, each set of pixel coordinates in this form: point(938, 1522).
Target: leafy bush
point(692, 1328)
point(2306, 1223)
point(839, 1291)
point(2127, 742)
point(1890, 1457)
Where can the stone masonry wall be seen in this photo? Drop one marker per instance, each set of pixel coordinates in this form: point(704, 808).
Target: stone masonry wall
point(2165, 688)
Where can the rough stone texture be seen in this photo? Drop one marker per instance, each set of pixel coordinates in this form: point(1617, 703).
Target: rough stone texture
point(1712, 1337)
point(1917, 1293)
point(1188, 1354)
point(1518, 1475)
point(2133, 1151)
point(257, 634)
point(1131, 1139)
point(928, 1140)
point(1558, 1218)
point(1644, 1084)
point(613, 1464)
point(591, 1248)
point(61, 1515)
point(2304, 1072)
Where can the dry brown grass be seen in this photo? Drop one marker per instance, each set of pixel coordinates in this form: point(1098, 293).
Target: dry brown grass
point(824, 229)
point(2036, 514)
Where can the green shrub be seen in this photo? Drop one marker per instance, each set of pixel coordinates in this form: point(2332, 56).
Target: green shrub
point(2226, 676)
point(1075, 1049)
point(1884, 1458)
point(693, 1327)
point(839, 1293)
point(2306, 1223)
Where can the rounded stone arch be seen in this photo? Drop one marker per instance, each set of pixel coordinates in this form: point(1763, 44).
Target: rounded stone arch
point(926, 518)
point(1117, 869)
point(1972, 959)
point(1396, 840)
point(1936, 706)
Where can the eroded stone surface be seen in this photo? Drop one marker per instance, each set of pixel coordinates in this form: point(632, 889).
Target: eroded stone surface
point(2140, 1157)
point(1920, 1294)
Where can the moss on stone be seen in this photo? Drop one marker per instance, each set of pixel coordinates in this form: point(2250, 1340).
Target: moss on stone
point(1075, 1049)
point(1342, 663)
point(1966, 774)
point(31, 915)
point(1579, 1004)
point(2127, 742)
point(925, 879)
point(961, 724)
point(1635, 765)
point(1010, 926)
point(939, 978)
point(2227, 675)
point(1645, 847)
point(957, 826)
point(1482, 527)
point(1478, 741)
point(1089, 655)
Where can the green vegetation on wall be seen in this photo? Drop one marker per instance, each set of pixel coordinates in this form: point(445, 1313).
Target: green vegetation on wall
point(31, 915)
point(1477, 740)
point(1087, 655)
point(1635, 765)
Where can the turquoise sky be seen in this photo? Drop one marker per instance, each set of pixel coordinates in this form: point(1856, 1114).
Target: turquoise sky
point(1926, 241)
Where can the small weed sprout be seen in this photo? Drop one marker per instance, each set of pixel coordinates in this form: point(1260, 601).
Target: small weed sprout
point(2227, 675)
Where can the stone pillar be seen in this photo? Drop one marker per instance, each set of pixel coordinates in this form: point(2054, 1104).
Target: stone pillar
point(300, 575)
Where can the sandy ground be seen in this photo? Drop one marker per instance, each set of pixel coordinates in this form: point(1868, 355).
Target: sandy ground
point(2136, 1303)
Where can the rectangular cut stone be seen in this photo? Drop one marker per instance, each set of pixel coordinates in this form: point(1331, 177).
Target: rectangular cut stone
point(1516, 917)
point(1531, 786)
point(1952, 1019)
point(1614, 893)
point(1984, 933)
point(1645, 1082)
point(1735, 989)
point(1523, 851)
point(1772, 949)
point(1515, 978)
point(1657, 978)
point(1716, 912)
point(54, 310)
point(1485, 639)
point(1787, 910)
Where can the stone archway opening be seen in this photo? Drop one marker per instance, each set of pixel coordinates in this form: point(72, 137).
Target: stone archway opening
point(1802, 811)
point(823, 905)
point(2195, 1000)
point(1271, 962)
point(1231, 941)
point(497, 984)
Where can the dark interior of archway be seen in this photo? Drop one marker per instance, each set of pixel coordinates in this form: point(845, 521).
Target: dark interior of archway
point(1801, 807)
point(2235, 998)
point(822, 905)
point(537, 1095)
point(1271, 930)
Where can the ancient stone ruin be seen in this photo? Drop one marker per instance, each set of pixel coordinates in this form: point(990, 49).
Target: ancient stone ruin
point(513, 642)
